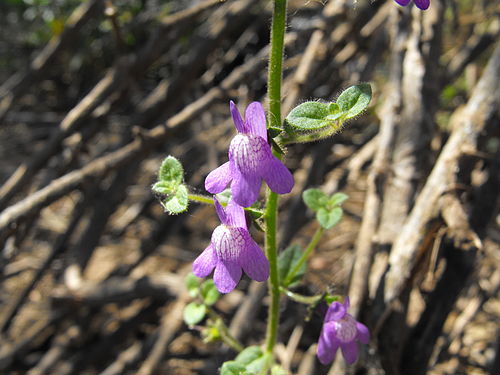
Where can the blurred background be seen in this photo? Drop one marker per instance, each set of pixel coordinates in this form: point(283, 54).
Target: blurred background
point(94, 94)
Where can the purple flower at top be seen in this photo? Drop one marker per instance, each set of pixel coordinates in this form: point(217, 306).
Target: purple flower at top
point(250, 160)
point(422, 4)
point(341, 330)
point(231, 250)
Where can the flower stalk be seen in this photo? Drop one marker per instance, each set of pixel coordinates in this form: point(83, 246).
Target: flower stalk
point(271, 212)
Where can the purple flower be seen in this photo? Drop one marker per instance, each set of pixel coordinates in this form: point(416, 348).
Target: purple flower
point(422, 4)
point(230, 250)
point(250, 160)
point(341, 330)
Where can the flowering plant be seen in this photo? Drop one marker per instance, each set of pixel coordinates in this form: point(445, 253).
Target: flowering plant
point(255, 155)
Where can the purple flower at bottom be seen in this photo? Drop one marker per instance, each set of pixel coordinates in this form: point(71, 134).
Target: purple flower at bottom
point(250, 160)
point(341, 330)
point(231, 250)
point(422, 4)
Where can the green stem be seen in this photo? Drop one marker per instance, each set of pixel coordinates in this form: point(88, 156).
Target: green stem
point(200, 198)
point(271, 212)
point(225, 335)
point(208, 200)
point(307, 253)
point(307, 300)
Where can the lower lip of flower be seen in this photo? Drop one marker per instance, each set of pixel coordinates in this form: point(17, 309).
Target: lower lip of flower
point(346, 329)
point(248, 151)
point(228, 241)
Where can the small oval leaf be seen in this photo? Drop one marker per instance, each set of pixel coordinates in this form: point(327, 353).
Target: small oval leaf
point(314, 199)
point(194, 313)
point(209, 292)
point(192, 284)
point(308, 116)
point(249, 355)
point(354, 100)
point(337, 199)
point(328, 219)
point(171, 171)
point(178, 202)
point(233, 368)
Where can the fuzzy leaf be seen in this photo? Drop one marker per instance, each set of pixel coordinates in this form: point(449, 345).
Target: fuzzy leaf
point(258, 365)
point(178, 202)
point(337, 199)
point(194, 313)
point(209, 292)
point(314, 199)
point(249, 355)
point(354, 100)
point(233, 368)
point(308, 116)
point(171, 171)
point(329, 218)
point(192, 284)
point(163, 187)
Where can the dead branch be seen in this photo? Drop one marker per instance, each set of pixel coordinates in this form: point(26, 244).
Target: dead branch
point(14, 87)
point(467, 126)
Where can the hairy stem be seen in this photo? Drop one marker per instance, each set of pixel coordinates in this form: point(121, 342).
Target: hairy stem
point(271, 212)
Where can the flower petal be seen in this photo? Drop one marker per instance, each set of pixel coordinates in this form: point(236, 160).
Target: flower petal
point(205, 263)
point(363, 333)
point(277, 176)
point(218, 179)
point(254, 262)
point(255, 120)
point(223, 217)
point(238, 121)
point(226, 276)
point(235, 215)
point(245, 189)
point(422, 4)
point(402, 2)
point(347, 303)
point(350, 351)
point(327, 345)
point(336, 311)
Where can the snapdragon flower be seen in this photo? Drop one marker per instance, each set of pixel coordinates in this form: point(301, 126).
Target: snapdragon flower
point(422, 4)
point(231, 249)
point(250, 160)
point(340, 329)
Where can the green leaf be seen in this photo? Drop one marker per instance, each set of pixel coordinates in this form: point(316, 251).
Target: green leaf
point(258, 365)
point(354, 100)
point(273, 132)
point(329, 218)
point(194, 313)
point(192, 284)
point(171, 171)
point(249, 355)
point(337, 199)
point(178, 202)
point(308, 116)
point(278, 370)
point(209, 292)
point(275, 145)
point(287, 260)
point(233, 368)
point(314, 199)
point(163, 187)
